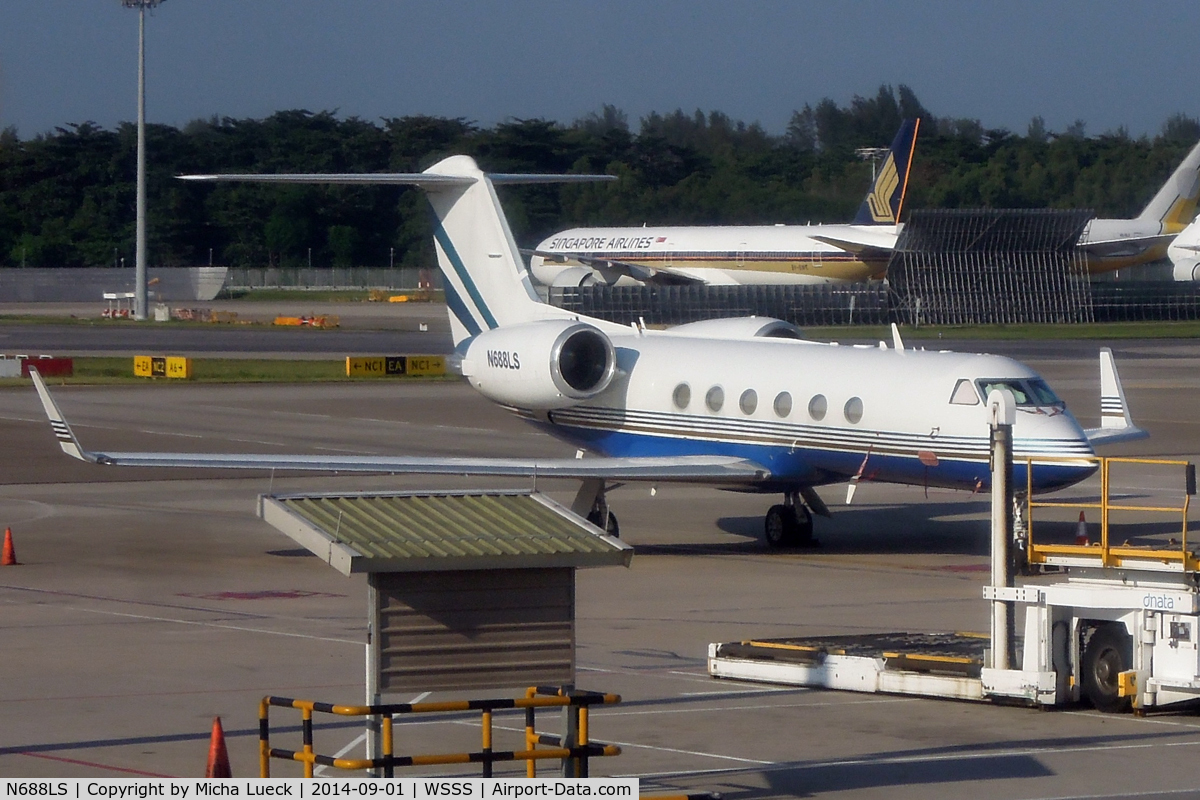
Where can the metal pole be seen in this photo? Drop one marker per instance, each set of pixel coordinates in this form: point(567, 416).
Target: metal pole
point(139, 310)
point(570, 739)
point(373, 723)
point(1001, 416)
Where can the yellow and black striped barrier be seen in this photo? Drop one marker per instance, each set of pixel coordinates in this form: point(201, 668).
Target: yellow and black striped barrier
point(535, 697)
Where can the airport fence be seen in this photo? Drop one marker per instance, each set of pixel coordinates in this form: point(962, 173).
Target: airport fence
point(399, 278)
point(876, 304)
point(814, 305)
point(1133, 301)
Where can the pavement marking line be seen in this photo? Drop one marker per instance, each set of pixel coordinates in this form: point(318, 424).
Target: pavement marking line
point(640, 746)
point(97, 765)
point(712, 709)
point(67, 698)
point(214, 625)
point(777, 766)
point(1147, 793)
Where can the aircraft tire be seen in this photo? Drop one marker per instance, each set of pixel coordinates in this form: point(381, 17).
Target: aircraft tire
point(781, 527)
point(611, 528)
point(1109, 652)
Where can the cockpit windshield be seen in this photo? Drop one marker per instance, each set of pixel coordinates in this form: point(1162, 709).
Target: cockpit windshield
point(1027, 392)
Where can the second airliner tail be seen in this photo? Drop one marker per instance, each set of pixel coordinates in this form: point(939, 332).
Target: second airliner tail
point(885, 201)
point(1174, 206)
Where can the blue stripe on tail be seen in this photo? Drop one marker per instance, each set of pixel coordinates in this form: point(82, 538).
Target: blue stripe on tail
point(460, 269)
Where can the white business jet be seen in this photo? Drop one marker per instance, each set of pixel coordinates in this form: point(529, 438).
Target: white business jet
point(741, 403)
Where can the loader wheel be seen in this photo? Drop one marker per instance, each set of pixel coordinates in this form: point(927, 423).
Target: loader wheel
point(1108, 653)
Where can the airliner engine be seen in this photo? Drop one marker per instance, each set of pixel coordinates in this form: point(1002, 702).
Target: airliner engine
point(541, 365)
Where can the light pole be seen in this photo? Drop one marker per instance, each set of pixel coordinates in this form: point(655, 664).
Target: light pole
point(872, 154)
point(139, 287)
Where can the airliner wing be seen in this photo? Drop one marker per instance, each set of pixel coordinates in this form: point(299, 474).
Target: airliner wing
point(1126, 246)
point(857, 240)
point(639, 272)
point(682, 469)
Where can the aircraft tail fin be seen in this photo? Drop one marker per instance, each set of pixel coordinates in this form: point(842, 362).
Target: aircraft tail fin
point(1174, 206)
point(1116, 423)
point(483, 276)
point(885, 201)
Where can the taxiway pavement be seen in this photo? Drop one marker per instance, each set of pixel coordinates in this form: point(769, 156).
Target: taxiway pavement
point(149, 601)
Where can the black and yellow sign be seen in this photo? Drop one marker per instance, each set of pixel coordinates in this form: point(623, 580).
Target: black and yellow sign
point(392, 366)
point(162, 367)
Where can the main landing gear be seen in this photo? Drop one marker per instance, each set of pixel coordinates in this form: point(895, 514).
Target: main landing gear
point(789, 524)
point(591, 504)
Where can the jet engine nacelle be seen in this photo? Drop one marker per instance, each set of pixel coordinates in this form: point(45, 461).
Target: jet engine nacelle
point(1186, 270)
point(541, 365)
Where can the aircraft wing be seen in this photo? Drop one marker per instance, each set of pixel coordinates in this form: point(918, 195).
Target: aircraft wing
point(1126, 246)
point(867, 243)
point(639, 272)
point(682, 469)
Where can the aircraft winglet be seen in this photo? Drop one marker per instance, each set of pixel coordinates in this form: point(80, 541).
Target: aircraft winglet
point(62, 431)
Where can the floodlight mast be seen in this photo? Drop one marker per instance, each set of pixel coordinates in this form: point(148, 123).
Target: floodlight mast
point(139, 303)
point(872, 154)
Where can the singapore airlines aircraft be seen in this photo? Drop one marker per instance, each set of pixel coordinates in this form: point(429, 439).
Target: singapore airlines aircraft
point(784, 254)
point(742, 254)
point(740, 403)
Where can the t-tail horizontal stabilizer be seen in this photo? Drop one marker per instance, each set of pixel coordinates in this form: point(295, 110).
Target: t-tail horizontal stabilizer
point(719, 470)
point(1116, 423)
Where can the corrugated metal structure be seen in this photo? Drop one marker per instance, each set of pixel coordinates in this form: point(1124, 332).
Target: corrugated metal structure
point(468, 590)
point(433, 531)
point(989, 266)
point(474, 629)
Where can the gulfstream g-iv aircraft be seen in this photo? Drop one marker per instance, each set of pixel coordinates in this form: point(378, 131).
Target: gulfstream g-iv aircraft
point(739, 254)
point(739, 403)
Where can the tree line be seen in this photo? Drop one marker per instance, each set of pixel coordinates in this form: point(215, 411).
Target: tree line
point(67, 197)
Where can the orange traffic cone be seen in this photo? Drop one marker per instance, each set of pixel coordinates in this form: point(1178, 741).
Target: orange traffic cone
point(218, 756)
point(9, 558)
point(1081, 534)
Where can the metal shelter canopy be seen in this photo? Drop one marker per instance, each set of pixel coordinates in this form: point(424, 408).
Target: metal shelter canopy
point(441, 531)
point(991, 266)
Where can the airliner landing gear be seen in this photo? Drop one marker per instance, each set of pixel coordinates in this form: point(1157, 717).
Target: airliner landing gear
point(591, 504)
point(789, 524)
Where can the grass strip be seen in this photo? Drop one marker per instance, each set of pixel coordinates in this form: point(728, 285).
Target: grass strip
point(103, 370)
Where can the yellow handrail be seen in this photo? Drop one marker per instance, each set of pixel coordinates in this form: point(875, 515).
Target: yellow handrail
point(1110, 555)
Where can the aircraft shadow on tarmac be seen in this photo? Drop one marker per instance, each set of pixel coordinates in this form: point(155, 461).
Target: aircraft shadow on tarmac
point(940, 765)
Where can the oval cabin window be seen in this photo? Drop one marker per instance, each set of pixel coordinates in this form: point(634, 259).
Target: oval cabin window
point(817, 407)
point(854, 410)
point(715, 399)
point(783, 404)
point(682, 396)
point(748, 401)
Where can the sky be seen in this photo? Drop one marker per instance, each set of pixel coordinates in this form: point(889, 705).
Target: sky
point(1109, 63)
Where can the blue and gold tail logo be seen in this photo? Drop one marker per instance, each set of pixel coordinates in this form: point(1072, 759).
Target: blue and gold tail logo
point(884, 202)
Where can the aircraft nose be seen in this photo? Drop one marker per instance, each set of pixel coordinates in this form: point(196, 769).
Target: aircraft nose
point(1055, 428)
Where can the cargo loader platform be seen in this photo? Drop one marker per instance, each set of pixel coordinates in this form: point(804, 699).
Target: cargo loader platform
point(946, 665)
